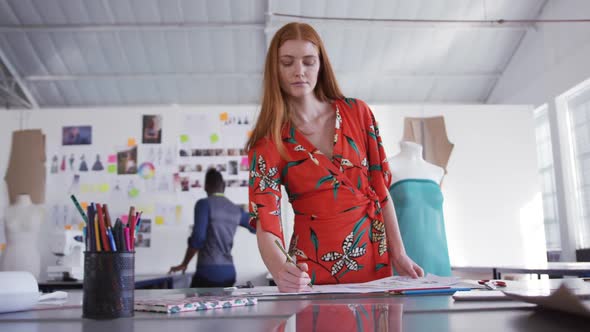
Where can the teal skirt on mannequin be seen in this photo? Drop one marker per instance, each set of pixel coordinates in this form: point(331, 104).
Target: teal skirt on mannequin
point(418, 206)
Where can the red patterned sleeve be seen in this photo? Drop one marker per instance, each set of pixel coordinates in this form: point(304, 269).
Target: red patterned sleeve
point(379, 173)
point(264, 187)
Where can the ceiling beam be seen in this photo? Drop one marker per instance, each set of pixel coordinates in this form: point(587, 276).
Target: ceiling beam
point(431, 23)
point(14, 98)
point(6, 80)
point(273, 19)
point(19, 82)
point(128, 27)
point(41, 78)
point(402, 74)
point(401, 24)
point(512, 55)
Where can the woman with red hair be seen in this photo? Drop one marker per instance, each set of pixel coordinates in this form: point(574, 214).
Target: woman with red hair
point(326, 151)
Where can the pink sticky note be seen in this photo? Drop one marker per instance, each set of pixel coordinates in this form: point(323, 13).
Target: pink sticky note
point(244, 161)
point(112, 158)
point(124, 218)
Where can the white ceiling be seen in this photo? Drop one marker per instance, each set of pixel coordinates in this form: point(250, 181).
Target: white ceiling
point(139, 52)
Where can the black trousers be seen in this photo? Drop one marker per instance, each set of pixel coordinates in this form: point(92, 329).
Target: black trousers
point(200, 282)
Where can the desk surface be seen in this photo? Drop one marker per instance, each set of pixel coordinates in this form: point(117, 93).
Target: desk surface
point(296, 313)
point(142, 281)
point(553, 268)
point(550, 266)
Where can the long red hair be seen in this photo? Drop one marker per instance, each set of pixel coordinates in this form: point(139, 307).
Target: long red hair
point(274, 112)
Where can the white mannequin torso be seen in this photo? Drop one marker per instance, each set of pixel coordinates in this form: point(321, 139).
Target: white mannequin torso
point(23, 216)
point(409, 164)
point(22, 225)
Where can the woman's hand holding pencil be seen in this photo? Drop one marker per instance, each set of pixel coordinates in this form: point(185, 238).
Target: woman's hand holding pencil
point(292, 277)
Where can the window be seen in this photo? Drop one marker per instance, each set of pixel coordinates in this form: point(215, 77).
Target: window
point(578, 123)
point(547, 174)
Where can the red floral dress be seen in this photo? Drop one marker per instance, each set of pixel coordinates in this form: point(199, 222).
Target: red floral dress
point(338, 229)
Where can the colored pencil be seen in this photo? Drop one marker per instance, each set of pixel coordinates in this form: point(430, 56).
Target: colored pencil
point(103, 230)
point(131, 223)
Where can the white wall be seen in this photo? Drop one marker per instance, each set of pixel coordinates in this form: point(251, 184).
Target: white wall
point(489, 192)
point(552, 58)
point(111, 128)
point(492, 207)
point(9, 120)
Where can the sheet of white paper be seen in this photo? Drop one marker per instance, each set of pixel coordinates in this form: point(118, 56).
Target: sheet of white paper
point(401, 283)
point(376, 286)
point(481, 295)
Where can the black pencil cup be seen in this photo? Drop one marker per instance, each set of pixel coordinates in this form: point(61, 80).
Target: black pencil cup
point(109, 281)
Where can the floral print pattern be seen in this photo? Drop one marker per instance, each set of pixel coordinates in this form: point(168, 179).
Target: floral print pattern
point(338, 228)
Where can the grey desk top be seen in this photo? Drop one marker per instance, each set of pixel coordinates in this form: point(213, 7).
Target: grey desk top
point(549, 266)
point(327, 311)
point(141, 279)
point(579, 269)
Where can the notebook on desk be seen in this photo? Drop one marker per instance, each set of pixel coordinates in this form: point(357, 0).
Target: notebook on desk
point(192, 303)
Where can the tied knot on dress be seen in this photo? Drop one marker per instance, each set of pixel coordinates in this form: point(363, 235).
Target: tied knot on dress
point(377, 234)
point(374, 206)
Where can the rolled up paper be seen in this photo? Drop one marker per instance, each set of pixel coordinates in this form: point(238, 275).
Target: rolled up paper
point(18, 291)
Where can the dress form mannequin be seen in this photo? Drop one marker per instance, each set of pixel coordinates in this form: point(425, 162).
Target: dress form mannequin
point(22, 226)
point(431, 133)
point(418, 203)
point(409, 164)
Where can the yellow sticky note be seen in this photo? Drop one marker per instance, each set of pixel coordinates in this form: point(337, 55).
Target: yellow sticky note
point(103, 187)
point(178, 213)
point(112, 168)
point(183, 138)
point(214, 138)
point(131, 142)
point(159, 220)
point(146, 209)
point(223, 116)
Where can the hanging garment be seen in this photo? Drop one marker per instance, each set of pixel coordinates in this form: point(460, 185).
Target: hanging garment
point(418, 206)
point(431, 133)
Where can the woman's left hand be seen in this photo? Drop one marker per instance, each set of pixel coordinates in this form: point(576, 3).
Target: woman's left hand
point(405, 266)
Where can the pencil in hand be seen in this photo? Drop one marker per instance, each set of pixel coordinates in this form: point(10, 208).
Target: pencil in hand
point(289, 259)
